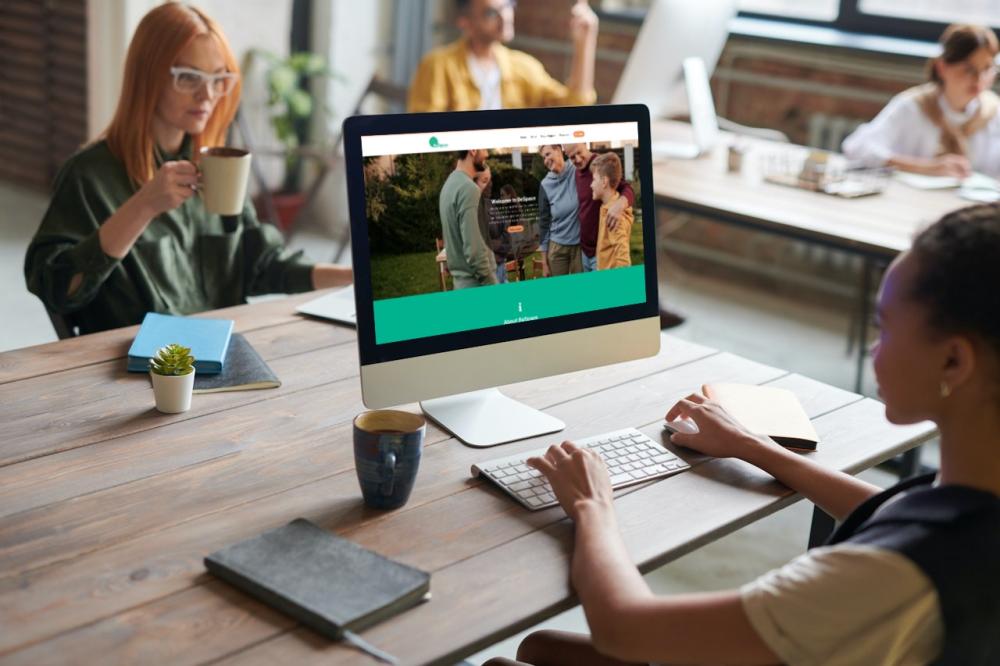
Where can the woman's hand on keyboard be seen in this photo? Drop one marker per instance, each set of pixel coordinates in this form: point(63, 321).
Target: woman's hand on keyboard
point(578, 477)
point(718, 435)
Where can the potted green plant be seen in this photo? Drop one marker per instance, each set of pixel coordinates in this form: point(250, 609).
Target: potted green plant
point(172, 372)
point(290, 106)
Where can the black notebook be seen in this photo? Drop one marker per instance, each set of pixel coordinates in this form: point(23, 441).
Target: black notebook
point(243, 370)
point(328, 583)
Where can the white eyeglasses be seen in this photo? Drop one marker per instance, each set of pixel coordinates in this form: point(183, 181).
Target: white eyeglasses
point(188, 80)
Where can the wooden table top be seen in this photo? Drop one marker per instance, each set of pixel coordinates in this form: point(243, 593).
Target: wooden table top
point(108, 507)
point(880, 225)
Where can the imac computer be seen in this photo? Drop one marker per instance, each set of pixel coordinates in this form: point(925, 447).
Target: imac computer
point(668, 69)
point(704, 121)
point(452, 296)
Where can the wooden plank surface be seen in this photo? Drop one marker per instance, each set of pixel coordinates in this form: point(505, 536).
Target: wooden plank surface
point(121, 458)
point(109, 345)
point(882, 224)
point(107, 402)
point(690, 509)
point(298, 438)
point(104, 523)
point(446, 466)
point(79, 474)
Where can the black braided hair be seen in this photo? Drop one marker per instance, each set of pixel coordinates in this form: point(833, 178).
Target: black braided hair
point(958, 273)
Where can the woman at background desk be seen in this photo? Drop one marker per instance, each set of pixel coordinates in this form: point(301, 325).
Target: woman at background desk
point(124, 233)
point(948, 126)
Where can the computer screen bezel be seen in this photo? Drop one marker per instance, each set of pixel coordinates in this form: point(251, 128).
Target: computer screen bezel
point(356, 127)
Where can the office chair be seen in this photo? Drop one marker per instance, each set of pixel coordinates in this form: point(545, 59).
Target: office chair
point(63, 325)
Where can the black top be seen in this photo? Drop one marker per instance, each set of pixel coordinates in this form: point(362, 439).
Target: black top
point(952, 533)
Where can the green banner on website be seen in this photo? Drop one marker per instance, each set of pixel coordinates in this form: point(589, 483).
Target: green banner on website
point(409, 317)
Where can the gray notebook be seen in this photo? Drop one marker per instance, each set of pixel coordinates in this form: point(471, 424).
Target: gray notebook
point(243, 370)
point(328, 583)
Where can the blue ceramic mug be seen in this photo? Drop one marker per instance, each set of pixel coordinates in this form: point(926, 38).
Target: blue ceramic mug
point(387, 447)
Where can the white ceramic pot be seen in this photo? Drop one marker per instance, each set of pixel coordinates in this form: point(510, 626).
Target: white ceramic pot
point(172, 392)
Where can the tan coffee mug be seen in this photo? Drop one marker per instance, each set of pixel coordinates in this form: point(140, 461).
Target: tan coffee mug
point(224, 176)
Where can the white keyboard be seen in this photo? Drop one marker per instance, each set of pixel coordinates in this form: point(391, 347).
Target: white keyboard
point(631, 457)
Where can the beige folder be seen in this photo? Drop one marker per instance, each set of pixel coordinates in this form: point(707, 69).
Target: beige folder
point(764, 410)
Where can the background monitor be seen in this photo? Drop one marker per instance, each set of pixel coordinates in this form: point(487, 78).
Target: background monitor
point(419, 338)
point(672, 31)
point(704, 122)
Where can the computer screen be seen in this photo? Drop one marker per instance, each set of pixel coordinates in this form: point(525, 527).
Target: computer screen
point(475, 229)
point(672, 30)
point(430, 276)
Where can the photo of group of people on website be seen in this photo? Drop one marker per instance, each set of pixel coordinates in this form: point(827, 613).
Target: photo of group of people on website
point(473, 218)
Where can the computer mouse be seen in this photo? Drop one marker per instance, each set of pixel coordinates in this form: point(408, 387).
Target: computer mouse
point(684, 426)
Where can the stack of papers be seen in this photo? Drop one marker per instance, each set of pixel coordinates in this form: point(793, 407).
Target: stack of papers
point(921, 182)
point(977, 187)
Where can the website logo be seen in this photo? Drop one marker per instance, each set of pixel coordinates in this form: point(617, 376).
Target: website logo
point(434, 143)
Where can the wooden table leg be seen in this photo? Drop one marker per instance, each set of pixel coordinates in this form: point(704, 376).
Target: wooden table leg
point(864, 312)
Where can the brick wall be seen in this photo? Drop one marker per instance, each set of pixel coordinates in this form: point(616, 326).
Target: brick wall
point(757, 82)
point(783, 86)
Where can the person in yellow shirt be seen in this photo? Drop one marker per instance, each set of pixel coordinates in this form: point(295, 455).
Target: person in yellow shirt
point(479, 72)
point(612, 244)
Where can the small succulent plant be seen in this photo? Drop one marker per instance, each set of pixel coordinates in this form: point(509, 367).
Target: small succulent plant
point(173, 359)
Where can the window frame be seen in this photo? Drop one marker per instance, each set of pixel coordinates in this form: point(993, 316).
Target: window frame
point(849, 19)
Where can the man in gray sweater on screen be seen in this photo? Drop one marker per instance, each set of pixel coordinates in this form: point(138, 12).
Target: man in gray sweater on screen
point(470, 259)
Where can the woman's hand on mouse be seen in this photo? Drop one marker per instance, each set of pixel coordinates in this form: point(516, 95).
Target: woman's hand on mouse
point(171, 185)
point(719, 435)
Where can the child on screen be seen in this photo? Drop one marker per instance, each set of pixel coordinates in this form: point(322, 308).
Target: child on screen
point(612, 244)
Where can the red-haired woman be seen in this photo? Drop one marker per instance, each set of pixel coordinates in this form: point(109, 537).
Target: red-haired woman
point(948, 126)
point(124, 233)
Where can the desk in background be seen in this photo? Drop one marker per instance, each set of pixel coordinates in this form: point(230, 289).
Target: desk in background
point(108, 507)
point(875, 228)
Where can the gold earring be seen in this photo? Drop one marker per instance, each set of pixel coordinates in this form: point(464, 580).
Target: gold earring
point(945, 390)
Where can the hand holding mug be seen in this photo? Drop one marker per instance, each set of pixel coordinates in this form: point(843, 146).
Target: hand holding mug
point(171, 185)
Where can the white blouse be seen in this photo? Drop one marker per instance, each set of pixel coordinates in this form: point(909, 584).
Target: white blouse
point(902, 129)
point(487, 79)
point(847, 604)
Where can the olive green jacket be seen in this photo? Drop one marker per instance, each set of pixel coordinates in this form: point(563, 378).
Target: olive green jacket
point(184, 262)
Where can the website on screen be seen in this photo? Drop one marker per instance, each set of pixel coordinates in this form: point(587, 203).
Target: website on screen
point(484, 228)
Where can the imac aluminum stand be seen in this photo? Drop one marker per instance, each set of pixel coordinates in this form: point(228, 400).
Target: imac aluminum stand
point(487, 418)
point(675, 149)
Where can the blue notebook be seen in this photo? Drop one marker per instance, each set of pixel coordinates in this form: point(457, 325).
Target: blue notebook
point(207, 338)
